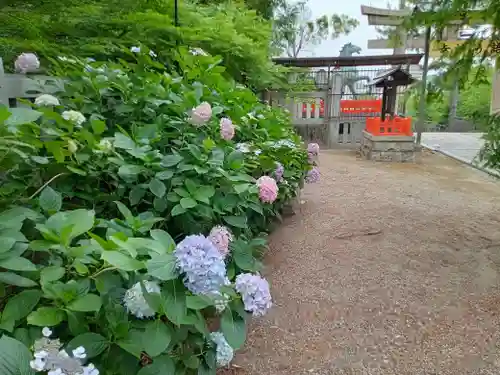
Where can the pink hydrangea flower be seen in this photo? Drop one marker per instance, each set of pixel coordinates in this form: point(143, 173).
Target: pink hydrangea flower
point(26, 63)
point(226, 129)
point(313, 175)
point(313, 148)
point(268, 189)
point(201, 114)
point(221, 237)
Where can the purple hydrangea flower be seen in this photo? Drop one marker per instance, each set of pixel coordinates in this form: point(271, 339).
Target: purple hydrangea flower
point(313, 175)
point(202, 264)
point(255, 293)
point(278, 172)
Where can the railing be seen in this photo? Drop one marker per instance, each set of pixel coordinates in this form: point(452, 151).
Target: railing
point(392, 126)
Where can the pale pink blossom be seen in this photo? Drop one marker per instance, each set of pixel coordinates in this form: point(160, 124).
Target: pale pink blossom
point(313, 148)
point(201, 114)
point(226, 129)
point(268, 189)
point(220, 236)
point(26, 63)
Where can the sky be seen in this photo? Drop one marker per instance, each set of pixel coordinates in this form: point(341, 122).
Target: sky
point(358, 37)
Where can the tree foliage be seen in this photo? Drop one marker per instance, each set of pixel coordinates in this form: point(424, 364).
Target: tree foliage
point(99, 29)
point(295, 30)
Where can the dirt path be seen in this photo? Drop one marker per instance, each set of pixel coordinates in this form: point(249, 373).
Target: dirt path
point(388, 269)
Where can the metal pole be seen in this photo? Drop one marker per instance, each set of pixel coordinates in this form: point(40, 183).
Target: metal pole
point(176, 13)
point(423, 88)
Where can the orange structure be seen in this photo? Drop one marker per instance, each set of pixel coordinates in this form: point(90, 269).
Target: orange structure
point(355, 107)
point(391, 126)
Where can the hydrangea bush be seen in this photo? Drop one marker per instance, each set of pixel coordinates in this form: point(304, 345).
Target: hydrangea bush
point(133, 209)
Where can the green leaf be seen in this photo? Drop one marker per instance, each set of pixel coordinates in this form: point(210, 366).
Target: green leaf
point(163, 365)
point(234, 328)
point(20, 305)
point(163, 267)
point(89, 302)
point(187, 203)
point(51, 273)
point(174, 294)
point(195, 151)
point(10, 278)
point(164, 175)
point(14, 357)
point(160, 204)
point(126, 213)
point(198, 302)
point(157, 337)
point(236, 221)
point(235, 160)
point(122, 261)
point(6, 244)
point(20, 116)
point(166, 241)
point(204, 193)
point(50, 200)
point(93, 343)
point(122, 141)
point(17, 264)
point(157, 187)
point(241, 188)
point(177, 210)
point(136, 194)
point(46, 317)
point(71, 224)
point(133, 343)
point(129, 170)
point(76, 323)
point(98, 126)
point(171, 160)
point(191, 186)
point(192, 362)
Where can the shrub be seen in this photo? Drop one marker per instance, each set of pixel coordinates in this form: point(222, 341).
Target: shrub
point(133, 217)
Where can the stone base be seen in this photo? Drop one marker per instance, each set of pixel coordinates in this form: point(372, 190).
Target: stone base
point(400, 148)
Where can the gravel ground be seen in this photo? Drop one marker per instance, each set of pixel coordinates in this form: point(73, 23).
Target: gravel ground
point(386, 269)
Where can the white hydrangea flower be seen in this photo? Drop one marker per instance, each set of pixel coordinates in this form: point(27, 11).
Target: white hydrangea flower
point(46, 332)
point(72, 146)
point(221, 302)
point(242, 147)
point(52, 360)
point(90, 370)
point(75, 117)
point(46, 100)
point(79, 353)
point(105, 145)
point(135, 49)
point(26, 63)
point(134, 300)
point(57, 371)
point(224, 353)
point(197, 52)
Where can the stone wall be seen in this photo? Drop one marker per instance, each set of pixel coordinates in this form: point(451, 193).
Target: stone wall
point(399, 149)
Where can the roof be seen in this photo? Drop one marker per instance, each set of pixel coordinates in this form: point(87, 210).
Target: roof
point(316, 62)
point(397, 75)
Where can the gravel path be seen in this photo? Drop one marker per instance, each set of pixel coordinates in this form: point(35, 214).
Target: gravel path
point(387, 269)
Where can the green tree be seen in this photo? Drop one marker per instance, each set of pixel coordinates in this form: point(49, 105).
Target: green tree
point(295, 30)
point(99, 29)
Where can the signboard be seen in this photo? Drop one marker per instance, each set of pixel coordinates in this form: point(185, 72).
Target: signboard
point(438, 48)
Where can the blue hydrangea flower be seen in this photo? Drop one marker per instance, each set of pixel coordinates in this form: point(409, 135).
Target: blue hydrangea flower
point(278, 172)
point(224, 352)
point(202, 264)
point(255, 293)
